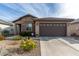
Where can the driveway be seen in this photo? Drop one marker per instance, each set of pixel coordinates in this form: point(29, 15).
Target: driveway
point(58, 46)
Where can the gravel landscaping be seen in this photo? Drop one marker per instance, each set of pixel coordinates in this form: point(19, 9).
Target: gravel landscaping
point(8, 48)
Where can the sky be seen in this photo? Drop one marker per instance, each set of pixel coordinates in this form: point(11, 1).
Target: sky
point(12, 11)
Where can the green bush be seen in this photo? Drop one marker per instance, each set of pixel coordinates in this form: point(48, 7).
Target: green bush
point(25, 34)
point(17, 37)
point(28, 45)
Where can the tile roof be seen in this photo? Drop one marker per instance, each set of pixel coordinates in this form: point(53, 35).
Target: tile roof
point(54, 18)
point(28, 15)
point(46, 18)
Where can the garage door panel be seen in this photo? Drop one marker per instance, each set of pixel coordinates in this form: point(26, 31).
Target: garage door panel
point(53, 29)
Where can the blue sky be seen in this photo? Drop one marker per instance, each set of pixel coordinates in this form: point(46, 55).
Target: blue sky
point(11, 11)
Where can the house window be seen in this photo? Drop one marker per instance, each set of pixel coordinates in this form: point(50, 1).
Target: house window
point(29, 26)
point(50, 24)
point(61, 24)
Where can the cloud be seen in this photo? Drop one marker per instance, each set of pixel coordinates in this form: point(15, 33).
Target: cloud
point(71, 10)
point(14, 11)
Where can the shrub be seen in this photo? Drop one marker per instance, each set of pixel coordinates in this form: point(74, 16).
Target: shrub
point(28, 45)
point(2, 37)
point(17, 38)
point(25, 34)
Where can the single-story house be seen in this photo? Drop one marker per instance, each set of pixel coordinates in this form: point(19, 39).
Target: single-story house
point(49, 26)
point(5, 26)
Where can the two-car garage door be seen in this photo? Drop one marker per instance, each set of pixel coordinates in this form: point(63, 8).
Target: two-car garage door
point(52, 29)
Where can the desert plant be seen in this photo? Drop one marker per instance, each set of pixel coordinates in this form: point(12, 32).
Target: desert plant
point(28, 44)
point(17, 37)
point(2, 37)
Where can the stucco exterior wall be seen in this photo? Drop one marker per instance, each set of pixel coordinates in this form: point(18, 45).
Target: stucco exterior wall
point(24, 20)
point(74, 28)
point(69, 29)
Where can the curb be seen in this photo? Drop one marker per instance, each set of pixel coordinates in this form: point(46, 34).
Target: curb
point(67, 43)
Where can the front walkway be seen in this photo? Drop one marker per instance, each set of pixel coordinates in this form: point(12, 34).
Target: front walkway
point(57, 46)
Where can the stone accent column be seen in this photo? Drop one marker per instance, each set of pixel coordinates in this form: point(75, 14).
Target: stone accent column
point(68, 29)
point(23, 27)
point(37, 28)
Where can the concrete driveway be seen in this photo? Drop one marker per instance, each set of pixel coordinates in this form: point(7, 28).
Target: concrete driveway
point(58, 46)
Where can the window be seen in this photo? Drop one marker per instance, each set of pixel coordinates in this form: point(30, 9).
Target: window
point(54, 24)
point(60, 24)
point(43, 24)
point(47, 24)
point(29, 26)
point(57, 24)
point(50, 24)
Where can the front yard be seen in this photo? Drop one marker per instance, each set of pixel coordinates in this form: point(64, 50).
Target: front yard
point(44, 46)
point(12, 48)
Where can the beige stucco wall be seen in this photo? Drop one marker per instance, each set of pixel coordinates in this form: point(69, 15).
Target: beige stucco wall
point(69, 29)
point(24, 20)
point(74, 28)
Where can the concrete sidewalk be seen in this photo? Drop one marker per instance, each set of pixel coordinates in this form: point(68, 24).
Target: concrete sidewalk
point(56, 47)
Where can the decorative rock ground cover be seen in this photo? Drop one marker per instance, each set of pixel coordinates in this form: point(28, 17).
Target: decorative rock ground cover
point(11, 48)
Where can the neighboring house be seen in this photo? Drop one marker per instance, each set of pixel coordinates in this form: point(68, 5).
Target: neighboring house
point(5, 26)
point(43, 26)
point(74, 27)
